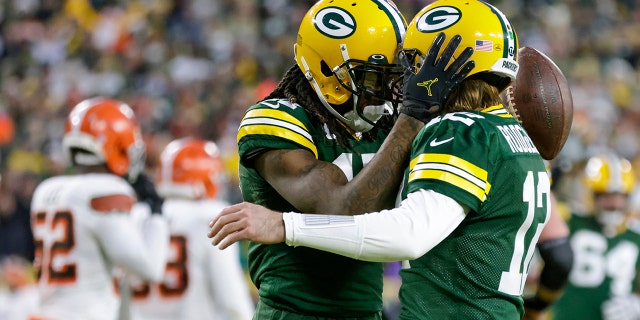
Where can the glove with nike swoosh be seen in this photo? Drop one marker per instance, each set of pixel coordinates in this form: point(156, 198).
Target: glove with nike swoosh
point(425, 91)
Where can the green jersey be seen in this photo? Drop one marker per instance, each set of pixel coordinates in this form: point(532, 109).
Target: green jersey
point(304, 280)
point(603, 267)
point(486, 161)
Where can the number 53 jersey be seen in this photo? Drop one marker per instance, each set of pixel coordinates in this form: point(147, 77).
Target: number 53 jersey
point(200, 282)
point(82, 228)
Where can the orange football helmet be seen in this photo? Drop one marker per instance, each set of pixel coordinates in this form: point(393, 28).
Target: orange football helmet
point(190, 168)
point(104, 131)
point(7, 128)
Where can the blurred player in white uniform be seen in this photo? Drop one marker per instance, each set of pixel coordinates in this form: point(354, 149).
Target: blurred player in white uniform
point(82, 224)
point(200, 282)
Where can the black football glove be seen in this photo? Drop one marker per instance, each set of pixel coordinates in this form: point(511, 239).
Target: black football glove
point(535, 303)
point(146, 192)
point(425, 91)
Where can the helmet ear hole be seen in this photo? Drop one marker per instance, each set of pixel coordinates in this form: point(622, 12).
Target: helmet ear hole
point(80, 156)
point(324, 68)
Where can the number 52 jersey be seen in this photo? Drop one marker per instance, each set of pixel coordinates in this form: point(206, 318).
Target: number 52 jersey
point(82, 229)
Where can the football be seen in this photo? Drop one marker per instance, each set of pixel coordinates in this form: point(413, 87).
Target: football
point(541, 100)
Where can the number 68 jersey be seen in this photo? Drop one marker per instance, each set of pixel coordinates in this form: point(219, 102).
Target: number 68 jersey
point(603, 268)
point(82, 228)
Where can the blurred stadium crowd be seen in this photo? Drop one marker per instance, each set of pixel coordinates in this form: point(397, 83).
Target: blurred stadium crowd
point(192, 67)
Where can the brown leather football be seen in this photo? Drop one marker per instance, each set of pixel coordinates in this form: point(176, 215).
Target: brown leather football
point(541, 99)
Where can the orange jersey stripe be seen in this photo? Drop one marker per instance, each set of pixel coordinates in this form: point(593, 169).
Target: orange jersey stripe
point(116, 202)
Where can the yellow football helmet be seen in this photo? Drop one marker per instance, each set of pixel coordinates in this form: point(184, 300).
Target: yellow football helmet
point(346, 48)
point(610, 173)
point(482, 27)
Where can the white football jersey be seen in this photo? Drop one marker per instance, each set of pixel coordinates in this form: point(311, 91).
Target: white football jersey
point(83, 229)
point(200, 281)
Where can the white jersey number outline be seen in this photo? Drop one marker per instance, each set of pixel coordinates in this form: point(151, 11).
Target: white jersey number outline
point(535, 195)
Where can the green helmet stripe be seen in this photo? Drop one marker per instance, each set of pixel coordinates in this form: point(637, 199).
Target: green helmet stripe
point(510, 38)
point(399, 24)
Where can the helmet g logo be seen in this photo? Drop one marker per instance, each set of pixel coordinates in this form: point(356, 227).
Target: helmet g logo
point(438, 19)
point(335, 22)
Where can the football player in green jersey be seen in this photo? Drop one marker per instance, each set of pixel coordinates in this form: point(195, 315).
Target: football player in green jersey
point(603, 282)
point(310, 145)
point(475, 195)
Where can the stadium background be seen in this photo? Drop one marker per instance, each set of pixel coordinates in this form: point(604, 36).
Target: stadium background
point(192, 67)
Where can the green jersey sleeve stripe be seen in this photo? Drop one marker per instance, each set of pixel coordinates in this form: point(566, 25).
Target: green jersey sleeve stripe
point(452, 160)
point(276, 123)
point(451, 169)
point(277, 131)
point(482, 184)
point(274, 114)
point(450, 178)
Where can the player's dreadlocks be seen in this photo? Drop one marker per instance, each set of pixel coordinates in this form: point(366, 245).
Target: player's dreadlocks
point(296, 88)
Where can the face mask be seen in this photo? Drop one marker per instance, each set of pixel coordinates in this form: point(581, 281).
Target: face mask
point(610, 221)
point(373, 113)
